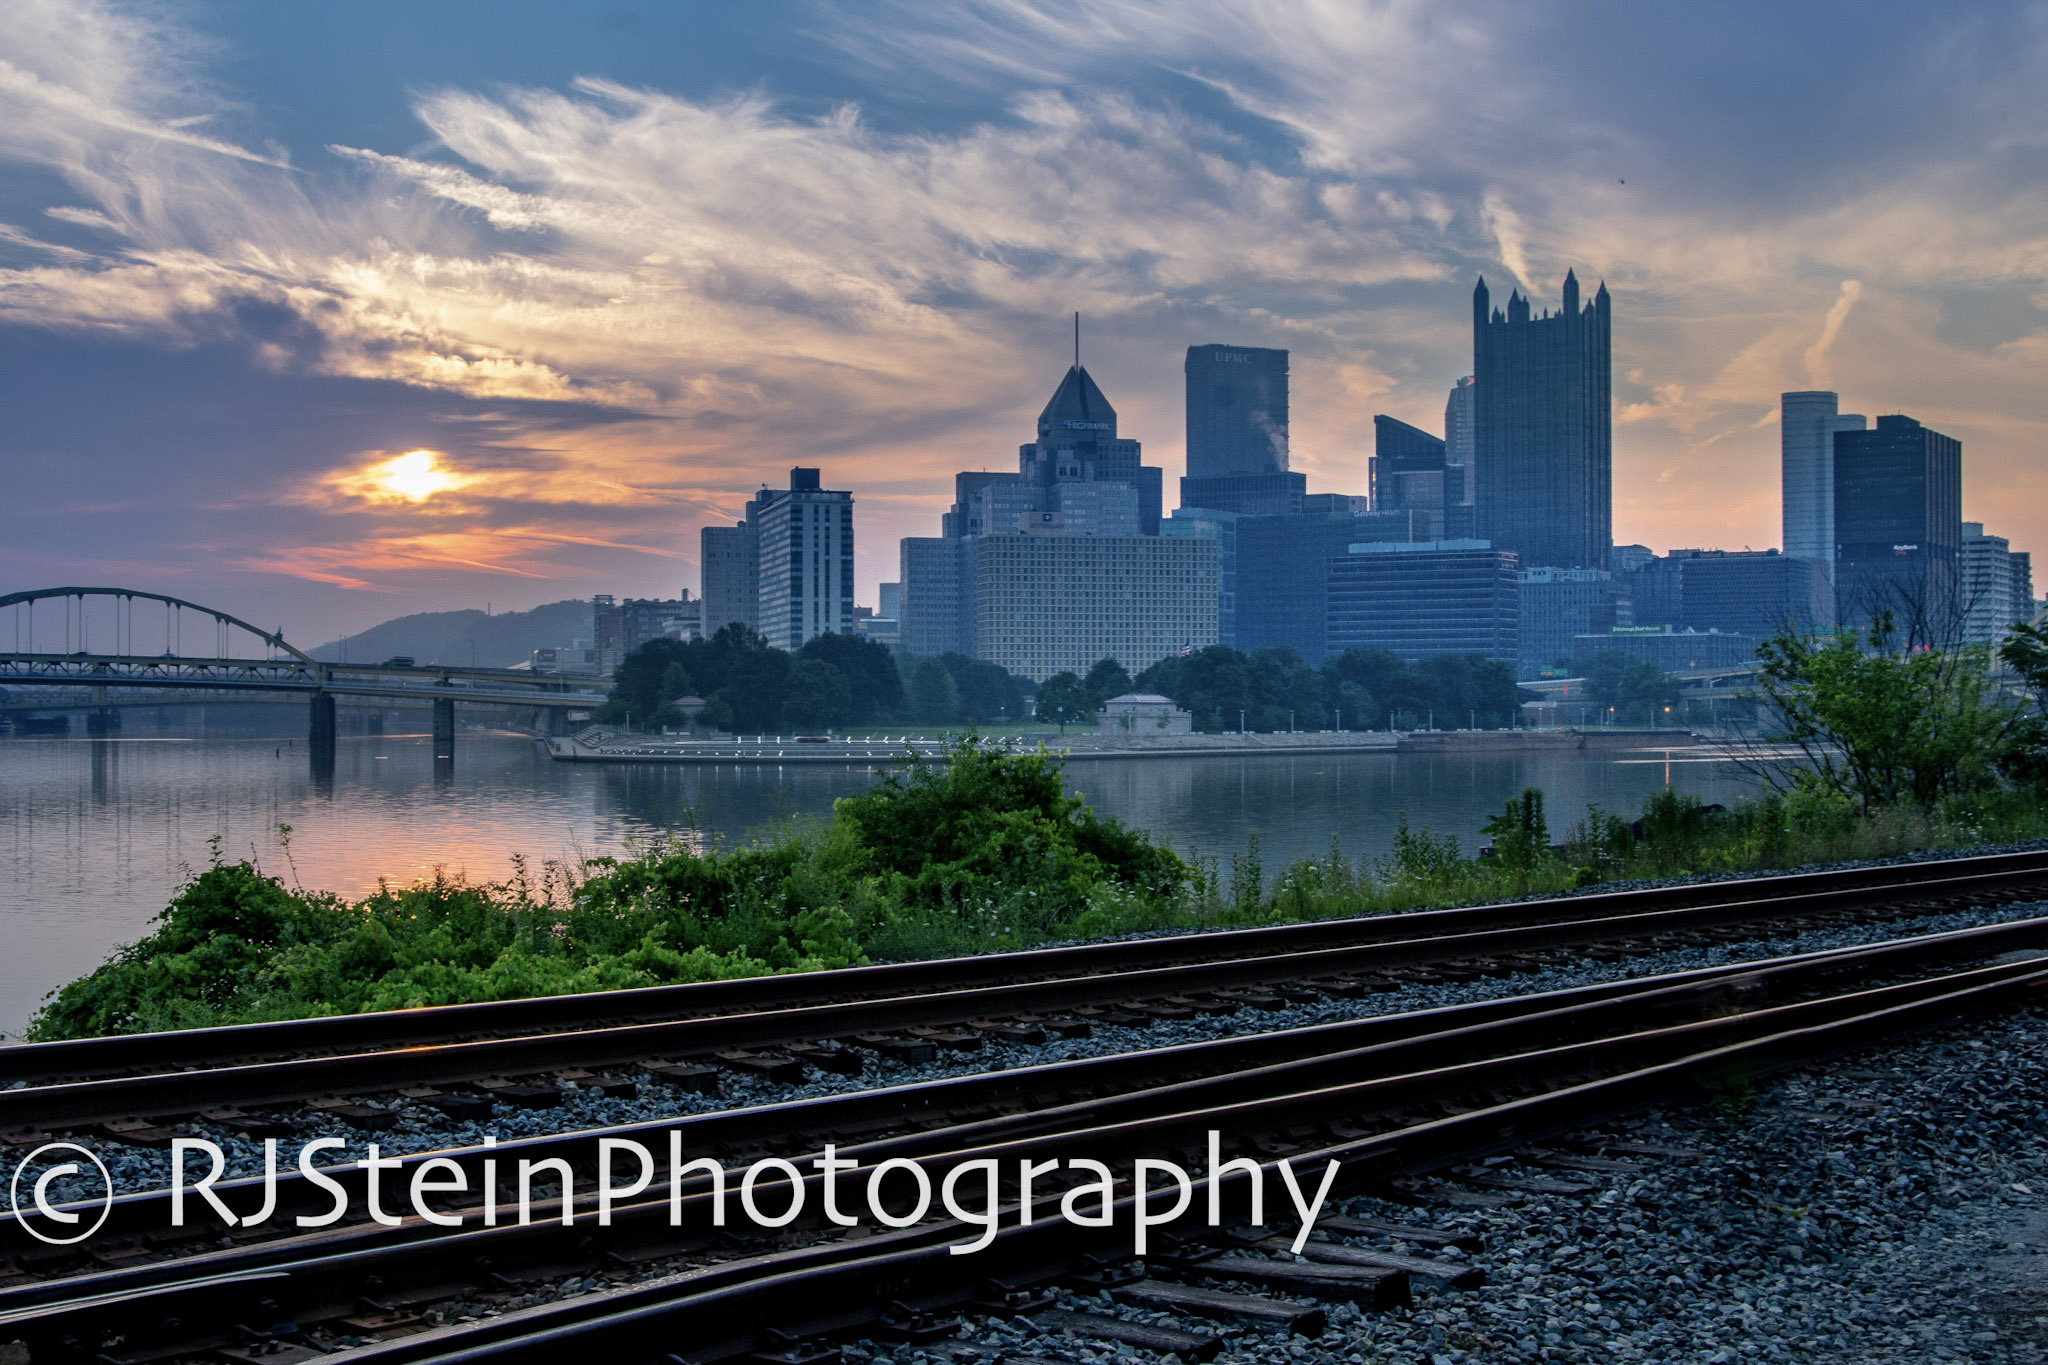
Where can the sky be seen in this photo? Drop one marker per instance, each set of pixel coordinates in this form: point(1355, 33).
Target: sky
point(322, 315)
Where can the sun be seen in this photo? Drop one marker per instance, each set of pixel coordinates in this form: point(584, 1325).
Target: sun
point(414, 476)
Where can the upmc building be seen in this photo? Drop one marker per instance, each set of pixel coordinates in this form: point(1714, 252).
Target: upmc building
point(1237, 411)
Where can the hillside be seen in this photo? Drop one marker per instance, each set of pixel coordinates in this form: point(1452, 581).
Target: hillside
point(466, 637)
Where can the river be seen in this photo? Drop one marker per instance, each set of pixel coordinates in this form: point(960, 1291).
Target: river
point(95, 834)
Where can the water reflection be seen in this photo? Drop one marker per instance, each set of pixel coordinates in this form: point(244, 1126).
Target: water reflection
point(94, 833)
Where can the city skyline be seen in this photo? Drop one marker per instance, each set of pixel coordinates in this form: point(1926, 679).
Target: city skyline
point(618, 274)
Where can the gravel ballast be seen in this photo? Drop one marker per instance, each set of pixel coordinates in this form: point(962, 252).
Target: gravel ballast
point(420, 1128)
point(1897, 1214)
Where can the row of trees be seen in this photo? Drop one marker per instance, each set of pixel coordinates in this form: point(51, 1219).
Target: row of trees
point(1884, 725)
point(750, 687)
point(1637, 692)
point(1275, 689)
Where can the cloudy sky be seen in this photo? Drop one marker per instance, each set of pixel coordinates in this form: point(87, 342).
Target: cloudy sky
point(617, 266)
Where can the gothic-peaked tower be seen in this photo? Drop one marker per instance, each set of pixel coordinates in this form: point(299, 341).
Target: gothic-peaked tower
point(1077, 413)
point(1543, 437)
point(1078, 460)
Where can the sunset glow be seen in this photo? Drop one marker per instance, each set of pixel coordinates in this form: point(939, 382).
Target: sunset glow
point(415, 476)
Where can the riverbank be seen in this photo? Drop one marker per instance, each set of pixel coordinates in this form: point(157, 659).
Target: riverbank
point(599, 745)
point(987, 850)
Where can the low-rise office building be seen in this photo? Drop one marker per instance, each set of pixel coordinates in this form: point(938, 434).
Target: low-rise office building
point(1415, 600)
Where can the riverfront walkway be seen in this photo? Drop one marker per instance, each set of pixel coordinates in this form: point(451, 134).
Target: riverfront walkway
point(597, 744)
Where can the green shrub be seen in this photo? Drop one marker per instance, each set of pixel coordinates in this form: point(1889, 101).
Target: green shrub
point(988, 851)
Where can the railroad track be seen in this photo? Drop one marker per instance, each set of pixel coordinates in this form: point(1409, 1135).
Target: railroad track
point(1390, 1098)
point(464, 1060)
point(141, 1054)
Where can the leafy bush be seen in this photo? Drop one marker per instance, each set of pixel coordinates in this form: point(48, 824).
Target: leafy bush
point(1520, 834)
point(988, 850)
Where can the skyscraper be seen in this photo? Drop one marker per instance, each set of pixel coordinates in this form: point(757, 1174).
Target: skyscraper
point(1899, 529)
point(1543, 439)
point(1556, 607)
point(730, 582)
point(1998, 587)
point(1077, 444)
point(1459, 416)
point(1237, 432)
point(804, 535)
point(1807, 423)
point(1282, 565)
point(937, 603)
point(1409, 473)
point(1461, 482)
point(1079, 480)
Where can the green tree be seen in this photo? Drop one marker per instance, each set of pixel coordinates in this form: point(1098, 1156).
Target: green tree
point(1520, 834)
point(989, 693)
point(874, 683)
point(1355, 707)
point(1214, 683)
point(754, 683)
point(931, 696)
point(1636, 690)
point(2025, 652)
point(816, 696)
point(1063, 700)
point(1885, 727)
point(646, 681)
point(1107, 679)
point(1268, 688)
point(990, 818)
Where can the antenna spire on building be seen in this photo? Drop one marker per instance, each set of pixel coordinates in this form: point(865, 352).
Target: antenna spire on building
point(1077, 339)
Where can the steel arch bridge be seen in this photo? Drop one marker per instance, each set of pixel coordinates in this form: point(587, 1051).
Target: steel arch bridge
point(229, 654)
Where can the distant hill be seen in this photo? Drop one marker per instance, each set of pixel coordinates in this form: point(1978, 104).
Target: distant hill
point(466, 637)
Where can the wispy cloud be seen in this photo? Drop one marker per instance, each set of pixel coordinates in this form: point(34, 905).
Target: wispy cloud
point(1818, 373)
point(727, 286)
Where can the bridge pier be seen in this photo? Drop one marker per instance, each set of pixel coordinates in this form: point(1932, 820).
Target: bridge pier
point(102, 719)
point(444, 727)
point(320, 723)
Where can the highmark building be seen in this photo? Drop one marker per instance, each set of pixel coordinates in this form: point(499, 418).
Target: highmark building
point(1062, 563)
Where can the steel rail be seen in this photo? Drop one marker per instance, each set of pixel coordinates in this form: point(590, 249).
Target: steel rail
point(867, 1113)
point(764, 1306)
point(234, 1045)
point(74, 1104)
point(1169, 1120)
